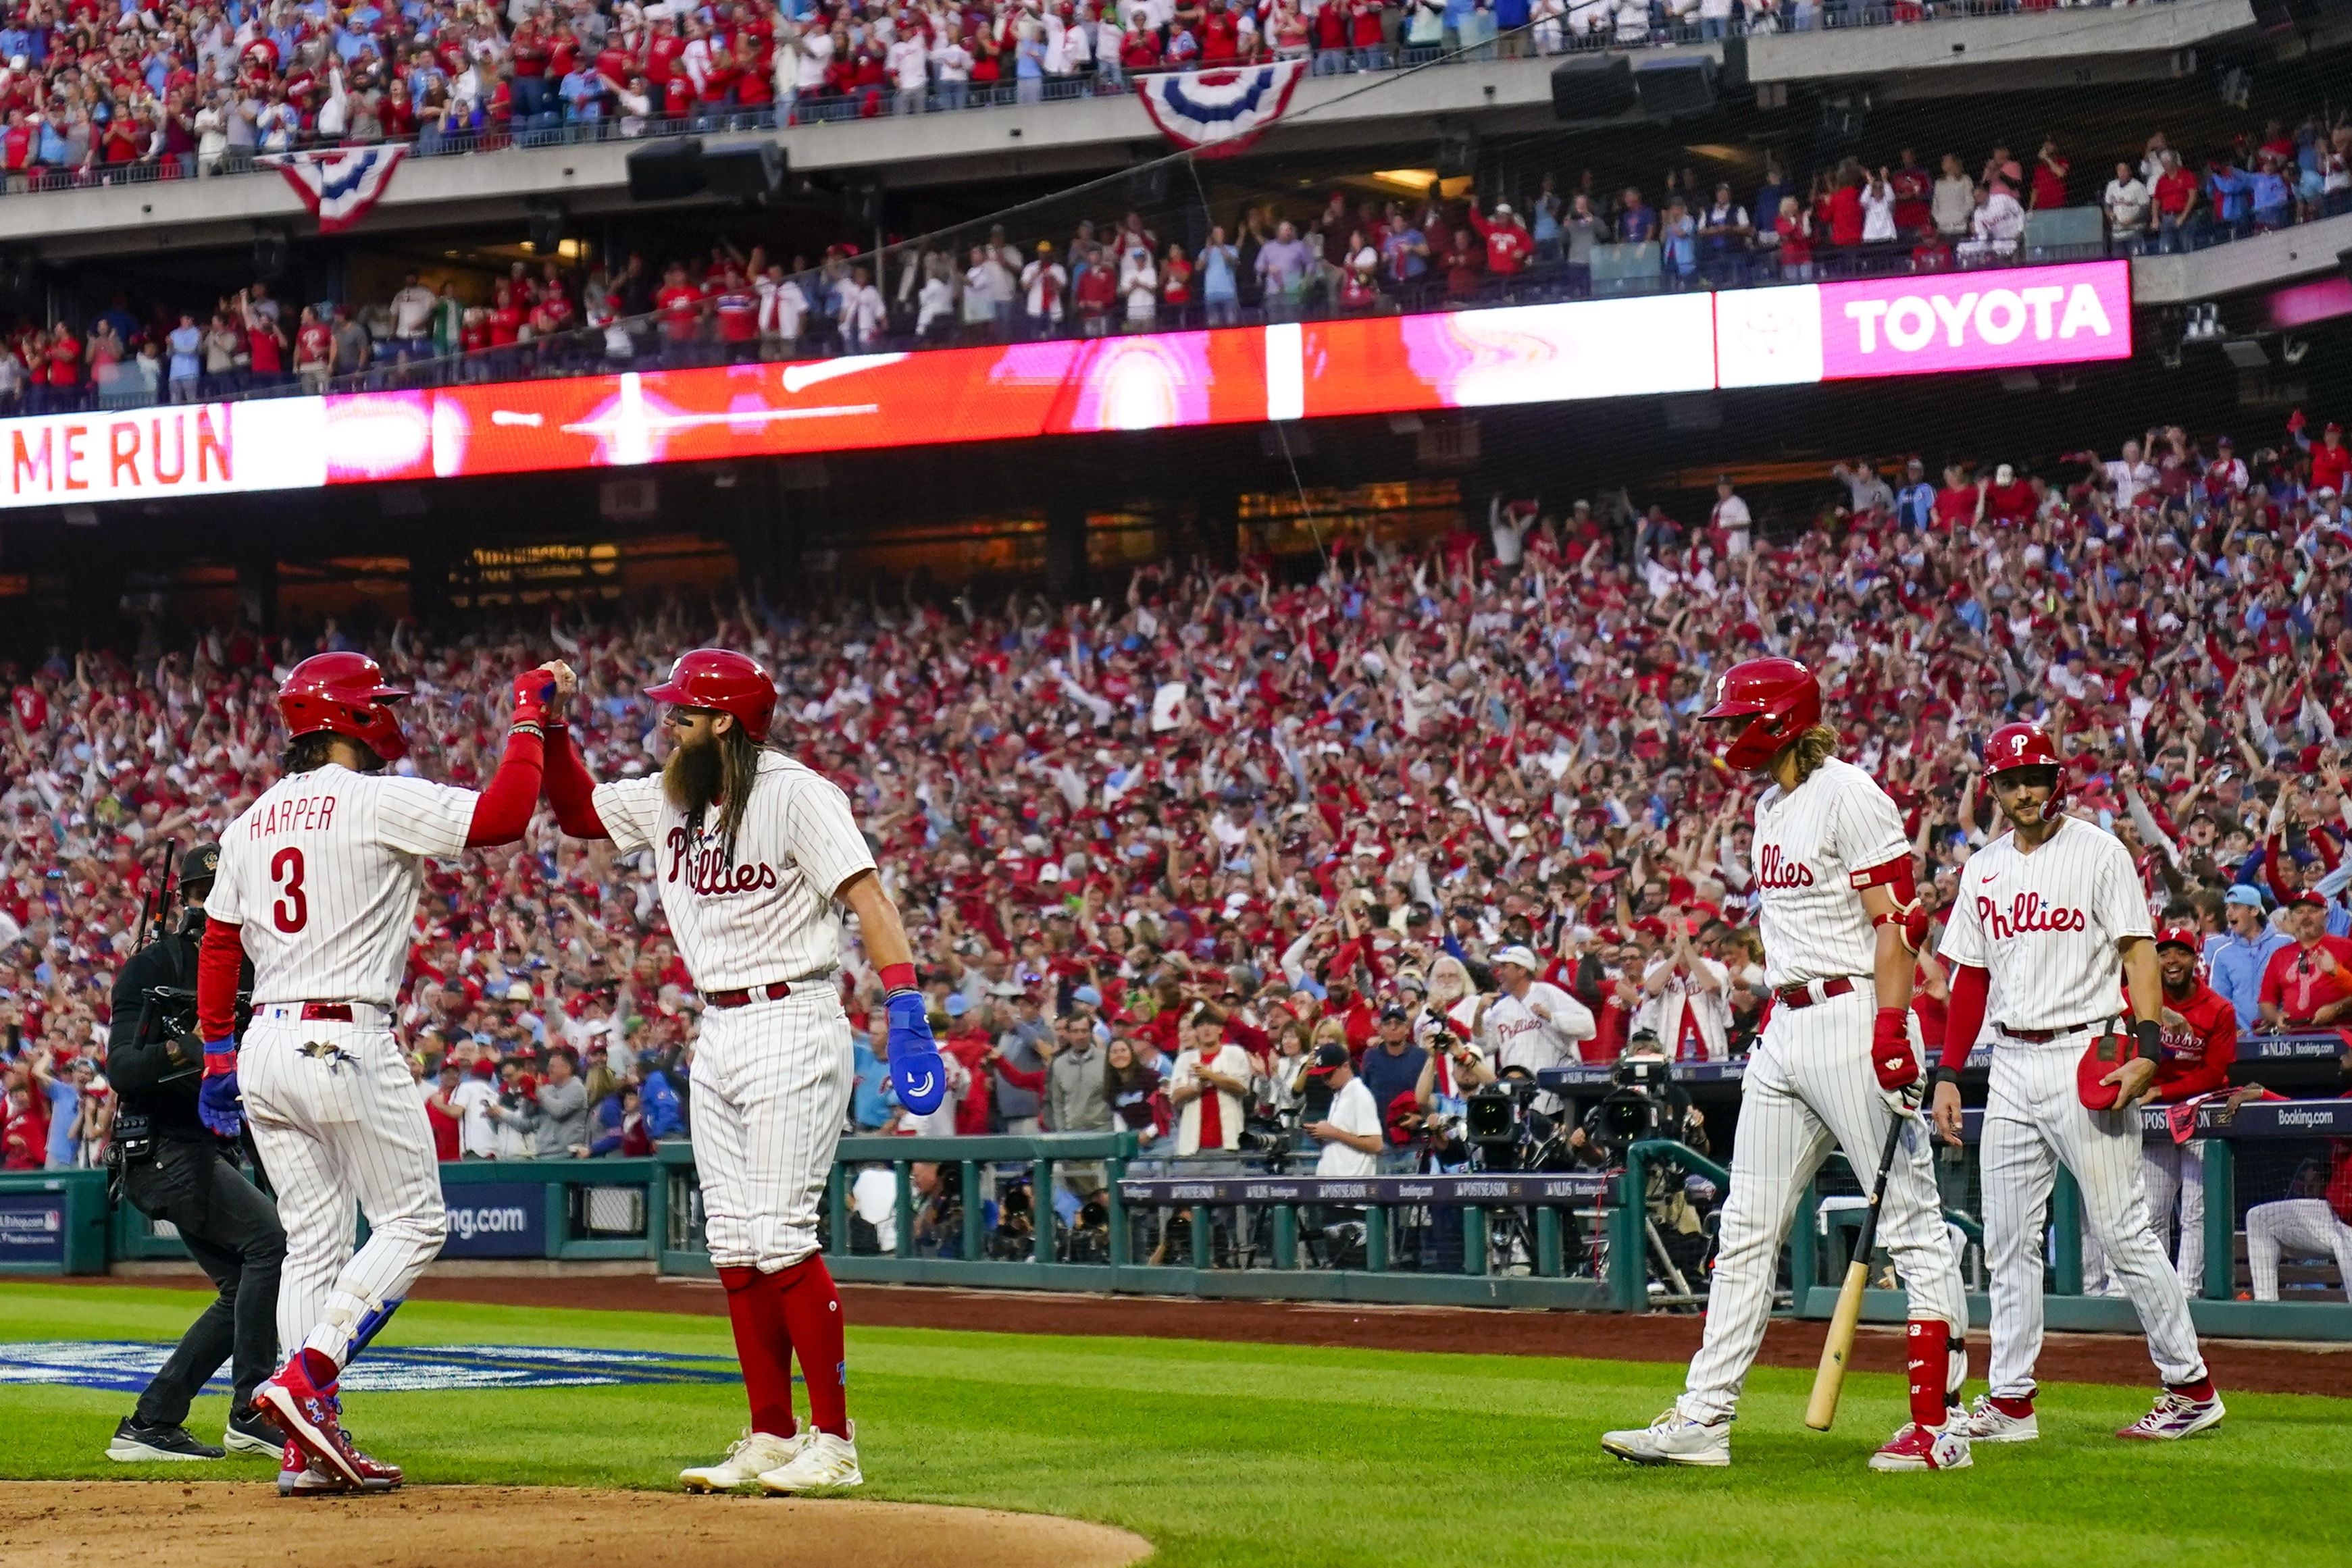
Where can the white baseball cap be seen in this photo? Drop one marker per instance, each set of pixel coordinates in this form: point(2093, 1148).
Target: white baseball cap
point(1519, 956)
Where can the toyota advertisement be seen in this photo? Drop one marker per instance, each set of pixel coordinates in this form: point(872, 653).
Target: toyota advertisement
point(1796, 335)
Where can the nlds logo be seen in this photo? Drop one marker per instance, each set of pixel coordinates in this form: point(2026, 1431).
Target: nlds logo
point(1775, 869)
point(2027, 913)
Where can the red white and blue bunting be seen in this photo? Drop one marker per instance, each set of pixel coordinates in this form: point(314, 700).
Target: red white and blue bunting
point(1218, 113)
point(338, 187)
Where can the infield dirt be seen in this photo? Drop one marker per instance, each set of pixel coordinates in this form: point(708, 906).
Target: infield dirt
point(213, 1524)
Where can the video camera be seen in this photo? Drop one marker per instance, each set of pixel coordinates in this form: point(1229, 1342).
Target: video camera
point(1505, 1129)
point(1644, 1102)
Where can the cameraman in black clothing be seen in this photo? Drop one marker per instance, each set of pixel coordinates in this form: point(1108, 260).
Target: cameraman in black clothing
point(171, 1167)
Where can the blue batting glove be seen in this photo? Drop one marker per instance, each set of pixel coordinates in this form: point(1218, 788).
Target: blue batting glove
point(916, 1070)
point(217, 1102)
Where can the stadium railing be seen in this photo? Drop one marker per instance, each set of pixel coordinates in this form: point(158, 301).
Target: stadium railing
point(551, 130)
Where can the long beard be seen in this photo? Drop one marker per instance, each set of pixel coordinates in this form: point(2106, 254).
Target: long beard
point(692, 777)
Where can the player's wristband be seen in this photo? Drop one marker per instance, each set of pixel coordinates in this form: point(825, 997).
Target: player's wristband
point(220, 1057)
point(1944, 1075)
point(2148, 1035)
point(897, 977)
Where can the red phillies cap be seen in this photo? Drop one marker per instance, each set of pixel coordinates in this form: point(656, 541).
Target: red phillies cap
point(2309, 896)
point(2178, 937)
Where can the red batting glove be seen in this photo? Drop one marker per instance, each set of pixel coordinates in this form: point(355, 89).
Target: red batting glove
point(533, 690)
point(1891, 1056)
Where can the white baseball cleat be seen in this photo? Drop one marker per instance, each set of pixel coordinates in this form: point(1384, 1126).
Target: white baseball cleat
point(1674, 1438)
point(1989, 1423)
point(2174, 1416)
point(824, 1463)
point(747, 1456)
point(1917, 1448)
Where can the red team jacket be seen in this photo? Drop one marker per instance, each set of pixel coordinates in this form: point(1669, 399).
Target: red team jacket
point(2198, 1051)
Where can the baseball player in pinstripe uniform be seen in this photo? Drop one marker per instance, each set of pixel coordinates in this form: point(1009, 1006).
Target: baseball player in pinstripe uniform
point(1838, 1062)
point(2048, 935)
point(754, 855)
point(318, 885)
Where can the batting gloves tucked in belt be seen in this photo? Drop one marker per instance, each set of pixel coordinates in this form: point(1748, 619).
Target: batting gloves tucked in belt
point(915, 1071)
point(1890, 1050)
point(216, 1101)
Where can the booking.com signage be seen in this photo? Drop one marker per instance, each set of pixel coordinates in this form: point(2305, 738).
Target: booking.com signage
point(2007, 318)
point(496, 1219)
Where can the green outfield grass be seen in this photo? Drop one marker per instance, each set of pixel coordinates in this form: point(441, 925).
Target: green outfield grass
point(1252, 1454)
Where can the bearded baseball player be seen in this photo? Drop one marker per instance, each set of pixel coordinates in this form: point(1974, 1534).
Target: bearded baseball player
point(2049, 932)
point(318, 885)
point(754, 855)
point(1838, 1062)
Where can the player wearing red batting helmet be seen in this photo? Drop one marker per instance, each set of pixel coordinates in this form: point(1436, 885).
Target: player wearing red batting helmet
point(753, 856)
point(2025, 755)
point(721, 680)
point(1774, 701)
point(1838, 1061)
point(345, 694)
point(2055, 966)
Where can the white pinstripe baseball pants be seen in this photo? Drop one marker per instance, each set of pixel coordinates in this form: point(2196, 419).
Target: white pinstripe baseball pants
point(337, 1119)
point(771, 1084)
point(2306, 1224)
point(2034, 1122)
point(1810, 1086)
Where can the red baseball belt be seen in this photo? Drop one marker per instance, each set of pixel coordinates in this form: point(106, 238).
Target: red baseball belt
point(1804, 996)
point(321, 1012)
point(774, 993)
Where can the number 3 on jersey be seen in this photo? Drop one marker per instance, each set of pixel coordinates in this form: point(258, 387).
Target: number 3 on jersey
point(292, 909)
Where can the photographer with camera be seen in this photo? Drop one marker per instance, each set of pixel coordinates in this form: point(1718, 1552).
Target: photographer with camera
point(172, 1167)
point(1644, 1102)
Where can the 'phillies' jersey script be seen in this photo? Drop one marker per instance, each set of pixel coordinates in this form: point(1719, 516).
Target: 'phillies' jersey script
point(2045, 926)
point(768, 914)
point(1810, 843)
point(323, 872)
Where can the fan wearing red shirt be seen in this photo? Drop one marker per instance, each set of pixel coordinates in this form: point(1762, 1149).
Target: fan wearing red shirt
point(1845, 211)
point(680, 306)
point(1959, 502)
point(1508, 244)
point(506, 319)
point(737, 308)
point(2306, 986)
point(65, 369)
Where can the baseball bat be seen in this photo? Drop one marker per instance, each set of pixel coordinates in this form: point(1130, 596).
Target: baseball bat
point(1829, 1382)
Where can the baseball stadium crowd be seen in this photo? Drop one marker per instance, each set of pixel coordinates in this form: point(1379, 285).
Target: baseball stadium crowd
point(1356, 253)
point(192, 88)
point(1156, 850)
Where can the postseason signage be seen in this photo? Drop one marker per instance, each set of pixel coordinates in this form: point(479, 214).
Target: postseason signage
point(2007, 318)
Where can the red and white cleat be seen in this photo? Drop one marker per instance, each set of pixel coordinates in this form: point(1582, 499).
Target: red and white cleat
point(297, 1477)
point(311, 1419)
point(2174, 1416)
point(1917, 1448)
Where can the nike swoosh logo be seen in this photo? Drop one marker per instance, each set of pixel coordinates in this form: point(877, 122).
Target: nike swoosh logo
point(798, 378)
point(1989, 876)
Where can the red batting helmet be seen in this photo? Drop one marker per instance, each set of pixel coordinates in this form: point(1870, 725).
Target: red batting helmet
point(2014, 747)
point(1780, 698)
point(725, 682)
point(344, 693)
